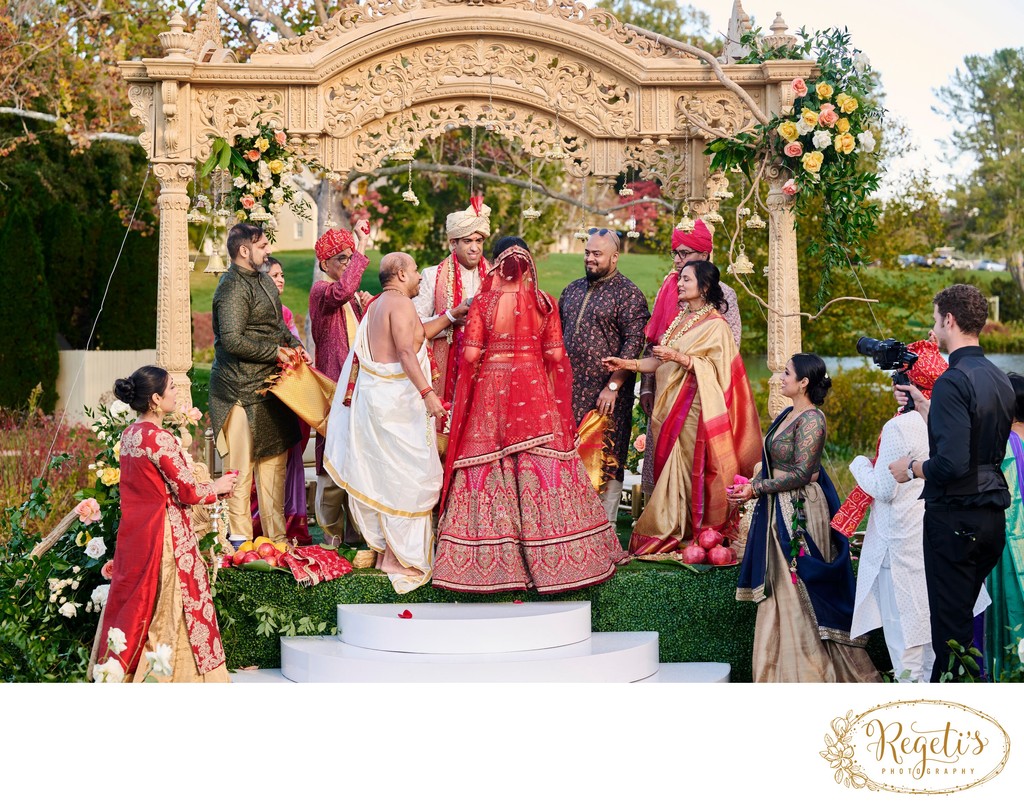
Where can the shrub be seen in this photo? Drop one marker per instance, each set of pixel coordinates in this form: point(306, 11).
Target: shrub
point(856, 409)
point(1003, 338)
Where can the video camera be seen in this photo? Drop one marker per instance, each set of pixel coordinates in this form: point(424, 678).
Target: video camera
point(890, 355)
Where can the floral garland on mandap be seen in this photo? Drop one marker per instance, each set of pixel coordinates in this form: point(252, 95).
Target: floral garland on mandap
point(820, 141)
point(261, 168)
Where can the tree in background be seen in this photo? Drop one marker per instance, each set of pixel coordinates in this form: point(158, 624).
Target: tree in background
point(667, 17)
point(985, 99)
point(28, 352)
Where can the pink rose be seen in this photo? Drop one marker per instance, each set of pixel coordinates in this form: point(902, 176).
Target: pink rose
point(827, 115)
point(789, 188)
point(248, 201)
point(799, 87)
point(107, 571)
point(794, 149)
point(641, 442)
point(280, 138)
point(88, 511)
point(253, 155)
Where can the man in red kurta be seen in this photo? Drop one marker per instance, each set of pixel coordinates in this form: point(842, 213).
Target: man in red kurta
point(334, 313)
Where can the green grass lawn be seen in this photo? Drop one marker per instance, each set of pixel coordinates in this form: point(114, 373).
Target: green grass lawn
point(555, 271)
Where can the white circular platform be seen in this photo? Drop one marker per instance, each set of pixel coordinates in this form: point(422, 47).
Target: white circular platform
point(464, 628)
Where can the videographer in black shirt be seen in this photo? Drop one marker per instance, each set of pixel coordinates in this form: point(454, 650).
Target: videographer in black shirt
point(965, 493)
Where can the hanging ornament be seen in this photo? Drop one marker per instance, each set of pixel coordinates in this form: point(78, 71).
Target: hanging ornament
point(744, 211)
point(530, 212)
point(686, 224)
point(557, 152)
point(713, 218)
point(626, 190)
point(409, 195)
point(631, 231)
point(755, 223)
point(742, 265)
point(489, 125)
point(403, 150)
point(582, 234)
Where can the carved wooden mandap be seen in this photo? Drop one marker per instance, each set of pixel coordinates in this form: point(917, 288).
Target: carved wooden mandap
point(563, 80)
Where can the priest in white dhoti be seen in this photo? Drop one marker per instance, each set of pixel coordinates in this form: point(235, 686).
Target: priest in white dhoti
point(381, 442)
point(891, 588)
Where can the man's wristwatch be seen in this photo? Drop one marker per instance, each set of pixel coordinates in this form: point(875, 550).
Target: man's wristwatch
point(613, 386)
point(910, 469)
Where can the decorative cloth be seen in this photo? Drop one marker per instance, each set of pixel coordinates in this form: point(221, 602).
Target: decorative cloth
point(699, 240)
point(596, 448)
point(332, 243)
point(930, 366)
point(314, 564)
point(475, 219)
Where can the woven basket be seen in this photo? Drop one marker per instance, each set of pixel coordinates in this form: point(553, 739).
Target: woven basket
point(364, 559)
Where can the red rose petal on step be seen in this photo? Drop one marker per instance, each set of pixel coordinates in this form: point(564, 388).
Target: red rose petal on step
point(517, 601)
point(405, 614)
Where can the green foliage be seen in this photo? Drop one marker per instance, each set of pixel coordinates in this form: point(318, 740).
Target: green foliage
point(985, 99)
point(856, 409)
point(1011, 299)
point(28, 353)
point(1003, 338)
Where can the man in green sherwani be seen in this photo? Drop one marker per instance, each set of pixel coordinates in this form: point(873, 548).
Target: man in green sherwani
point(253, 431)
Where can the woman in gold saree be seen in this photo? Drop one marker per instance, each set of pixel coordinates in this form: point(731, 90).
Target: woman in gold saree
point(704, 424)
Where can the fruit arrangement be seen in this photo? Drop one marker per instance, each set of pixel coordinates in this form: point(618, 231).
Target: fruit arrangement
point(260, 554)
point(709, 548)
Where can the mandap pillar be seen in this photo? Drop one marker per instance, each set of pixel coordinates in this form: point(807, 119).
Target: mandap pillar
point(173, 304)
point(784, 338)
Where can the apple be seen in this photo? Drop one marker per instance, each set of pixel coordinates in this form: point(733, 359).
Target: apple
point(266, 550)
point(719, 555)
point(239, 557)
point(251, 556)
point(271, 560)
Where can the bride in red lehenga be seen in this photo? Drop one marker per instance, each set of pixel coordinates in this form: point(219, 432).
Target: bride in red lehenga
point(518, 510)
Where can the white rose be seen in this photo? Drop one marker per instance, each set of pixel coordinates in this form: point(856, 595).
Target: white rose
point(802, 127)
point(264, 172)
point(119, 409)
point(76, 569)
point(96, 548)
point(822, 139)
point(74, 585)
point(861, 63)
point(69, 610)
point(1020, 650)
point(160, 660)
point(108, 672)
point(116, 640)
point(99, 597)
point(238, 182)
point(866, 142)
point(53, 598)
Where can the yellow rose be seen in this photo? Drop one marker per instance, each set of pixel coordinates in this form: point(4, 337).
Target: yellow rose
point(276, 166)
point(240, 216)
point(812, 161)
point(843, 125)
point(846, 103)
point(257, 191)
point(824, 90)
point(810, 117)
point(845, 143)
point(117, 447)
point(262, 144)
point(111, 476)
point(788, 130)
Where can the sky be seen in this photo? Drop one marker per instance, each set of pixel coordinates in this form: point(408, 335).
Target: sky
point(916, 46)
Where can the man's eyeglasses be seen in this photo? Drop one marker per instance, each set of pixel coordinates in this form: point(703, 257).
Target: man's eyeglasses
point(341, 259)
point(682, 254)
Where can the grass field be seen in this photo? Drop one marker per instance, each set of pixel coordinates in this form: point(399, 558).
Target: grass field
point(555, 272)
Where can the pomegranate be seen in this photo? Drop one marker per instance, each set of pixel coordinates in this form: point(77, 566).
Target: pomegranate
point(239, 557)
point(694, 554)
point(266, 550)
point(709, 538)
point(251, 556)
point(720, 555)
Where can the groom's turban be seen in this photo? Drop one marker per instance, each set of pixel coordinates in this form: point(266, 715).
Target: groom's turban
point(475, 219)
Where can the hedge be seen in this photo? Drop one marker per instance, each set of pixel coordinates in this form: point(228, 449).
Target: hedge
point(695, 614)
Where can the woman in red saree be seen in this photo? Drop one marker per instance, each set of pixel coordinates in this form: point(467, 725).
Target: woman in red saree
point(159, 591)
point(704, 424)
point(518, 510)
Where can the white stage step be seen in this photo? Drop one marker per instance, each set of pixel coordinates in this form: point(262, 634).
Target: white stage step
point(609, 657)
point(690, 673)
point(464, 628)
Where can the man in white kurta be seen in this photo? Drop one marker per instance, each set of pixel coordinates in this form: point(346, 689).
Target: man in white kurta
point(381, 446)
point(891, 588)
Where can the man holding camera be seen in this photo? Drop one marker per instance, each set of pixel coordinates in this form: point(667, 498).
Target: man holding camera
point(965, 493)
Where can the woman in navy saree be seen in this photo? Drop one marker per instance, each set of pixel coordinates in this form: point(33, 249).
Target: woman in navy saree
point(796, 567)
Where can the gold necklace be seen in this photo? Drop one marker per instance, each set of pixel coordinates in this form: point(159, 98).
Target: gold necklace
point(689, 325)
